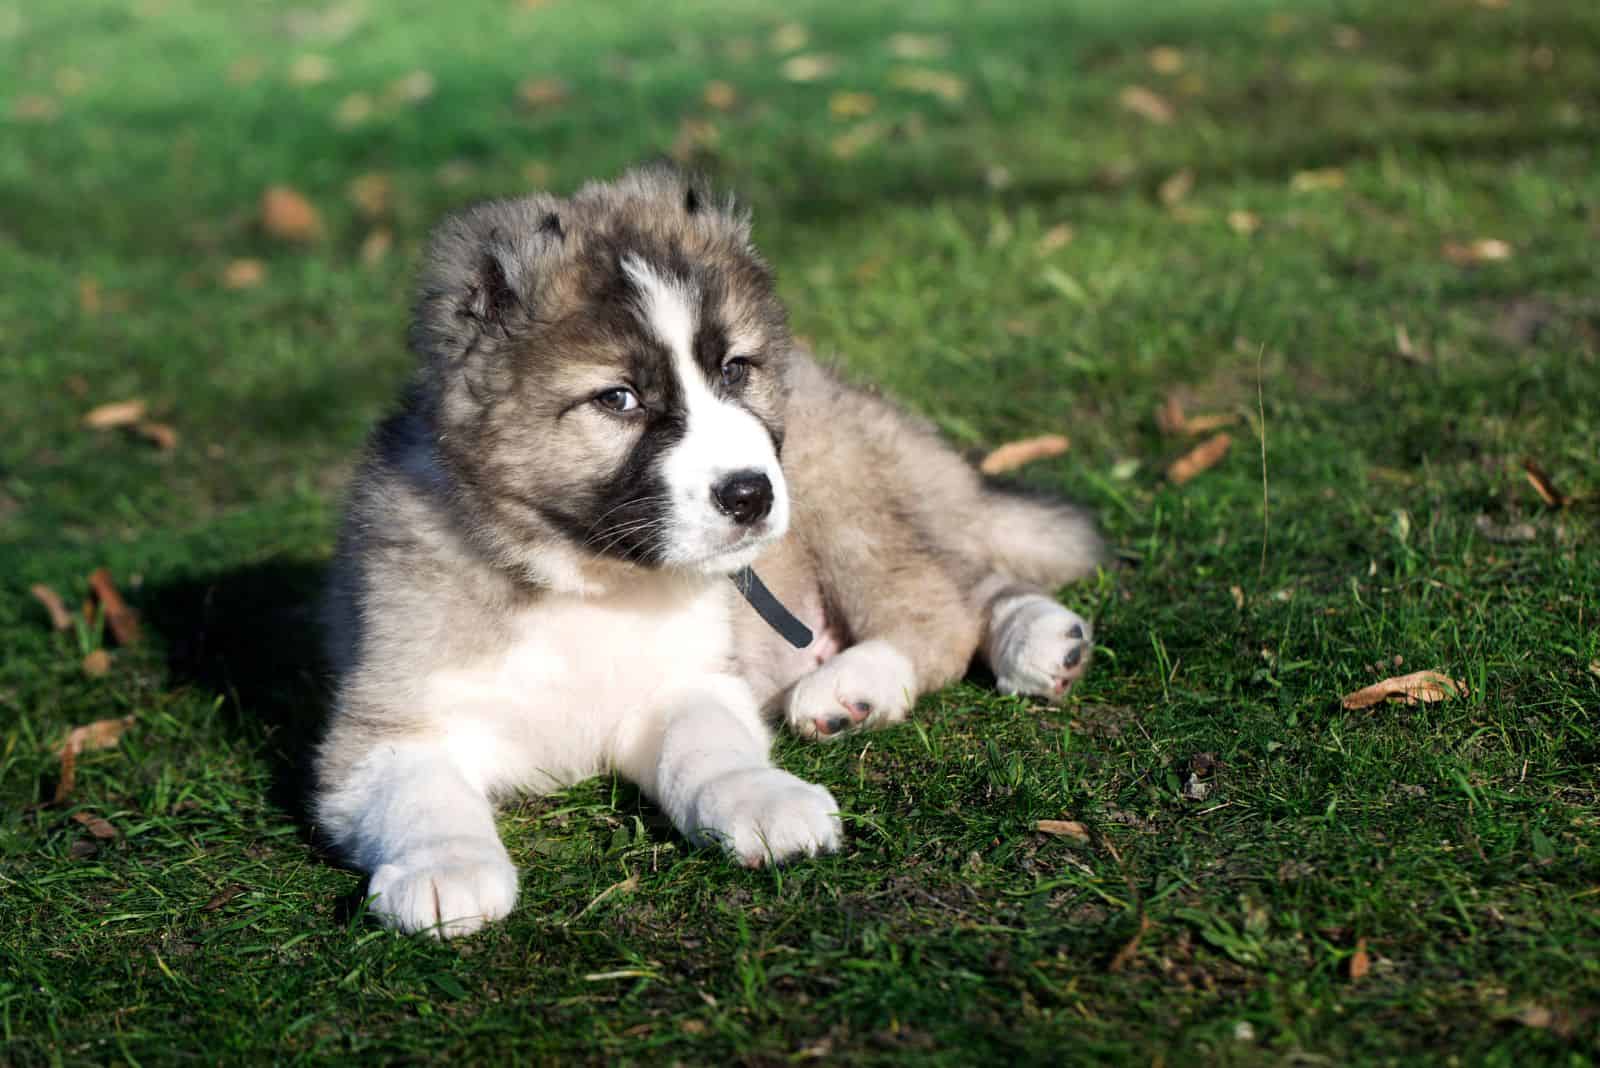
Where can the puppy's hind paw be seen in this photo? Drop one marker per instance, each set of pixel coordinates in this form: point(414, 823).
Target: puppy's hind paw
point(867, 686)
point(1038, 648)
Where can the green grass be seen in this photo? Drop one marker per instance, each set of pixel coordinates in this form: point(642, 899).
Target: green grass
point(1460, 840)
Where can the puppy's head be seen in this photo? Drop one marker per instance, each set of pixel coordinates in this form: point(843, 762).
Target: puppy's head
point(607, 371)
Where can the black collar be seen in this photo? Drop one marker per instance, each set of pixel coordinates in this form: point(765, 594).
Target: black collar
point(771, 609)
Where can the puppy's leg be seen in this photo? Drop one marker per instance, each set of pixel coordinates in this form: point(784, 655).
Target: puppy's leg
point(915, 633)
point(409, 816)
point(1034, 645)
point(702, 754)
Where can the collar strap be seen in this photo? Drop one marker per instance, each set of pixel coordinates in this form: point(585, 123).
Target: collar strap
point(771, 609)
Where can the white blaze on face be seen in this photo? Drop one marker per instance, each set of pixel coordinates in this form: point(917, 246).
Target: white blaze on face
point(719, 438)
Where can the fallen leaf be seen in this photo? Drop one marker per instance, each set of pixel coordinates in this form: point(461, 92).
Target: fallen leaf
point(1505, 533)
point(790, 37)
point(35, 107)
point(101, 734)
point(1238, 597)
point(244, 274)
point(942, 84)
point(115, 414)
point(376, 246)
point(1543, 486)
point(98, 826)
point(1176, 188)
point(413, 88)
point(1064, 828)
point(1317, 180)
point(1594, 668)
point(917, 46)
point(372, 194)
point(850, 144)
point(541, 94)
point(1015, 454)
point(1244, 222)
point(1172, 419)
point(96, 662)
point(809, 68)
point(1405, 348)
point(1164, 59)
point(123, 621)
point(1427, 686)
point(1202, 457)
point(849, 105)
point(287, 215)
point(1359, 963)
point(1130, 948)
point(310, 69)
point(1057, 236)
point(1471, 253)
point(720, 96)
point(222, 897)
point(1147, 104)
point(353, 110)
point(162, 435)
point(60, 618)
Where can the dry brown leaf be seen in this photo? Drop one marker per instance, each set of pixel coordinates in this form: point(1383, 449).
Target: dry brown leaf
point(412, 88)
point(60, 618)
point(162, 435)
point(540, 94)
point(372, 194)
point(917, 46)
point(353, 110)
point(310, 69)
point(790, 37)
point(1426, 686)
point(849, 105)
point(244, 274)
point(1359, 964)
point(1238, 597)
point(98, 826)
point(1471, 253)
point(89, 298)
point(940, 83)
point(1317, 180)
point(1058, 236)
point(1244, 222)
point(1147, 104)
point(222, 897)
point(1014, 454)
point(376, 246)
point(115, 414)
point(1064, 828)
point(1164, 59)
point(1176, 188)
point(123, 621)
point(720, 96)
point(850, 144)
point(96, 663)
point(1130, 948)
point(1543, 486)
point(287, 215)
point(1202, 457)
point(809, 68)
point(35, 107)
point(101, 734)
point(1170, 417)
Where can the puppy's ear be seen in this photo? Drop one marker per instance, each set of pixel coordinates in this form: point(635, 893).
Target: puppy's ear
point(480, 278)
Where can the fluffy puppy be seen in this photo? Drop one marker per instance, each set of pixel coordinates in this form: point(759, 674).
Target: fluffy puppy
point(608, 420)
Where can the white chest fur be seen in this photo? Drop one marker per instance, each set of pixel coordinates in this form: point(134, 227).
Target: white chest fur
point(541, 711)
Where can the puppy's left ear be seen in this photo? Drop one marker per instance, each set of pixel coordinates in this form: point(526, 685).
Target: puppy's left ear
point(480, 278)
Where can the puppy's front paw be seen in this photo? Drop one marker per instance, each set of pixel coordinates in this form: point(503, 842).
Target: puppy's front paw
point(445, 896)
point(1038, 648)
point(866, 686)
point(764, 815)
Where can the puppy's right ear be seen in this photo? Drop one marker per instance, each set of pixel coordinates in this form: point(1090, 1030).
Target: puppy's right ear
point(480, 278)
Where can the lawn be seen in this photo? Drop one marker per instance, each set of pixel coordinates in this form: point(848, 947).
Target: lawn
point(1358, 237)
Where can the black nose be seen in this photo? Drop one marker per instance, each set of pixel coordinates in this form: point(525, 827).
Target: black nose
point(744, 496)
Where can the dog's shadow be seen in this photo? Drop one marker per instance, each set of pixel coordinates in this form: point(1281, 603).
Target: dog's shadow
point(252, 636)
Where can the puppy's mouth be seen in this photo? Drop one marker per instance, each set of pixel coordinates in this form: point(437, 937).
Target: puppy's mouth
point(733, 549)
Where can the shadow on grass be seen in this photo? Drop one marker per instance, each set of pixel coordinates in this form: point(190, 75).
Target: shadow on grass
point(252, 635)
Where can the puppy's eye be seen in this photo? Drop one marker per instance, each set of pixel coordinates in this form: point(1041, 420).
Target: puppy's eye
point(618, 399)
point(734, 371)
